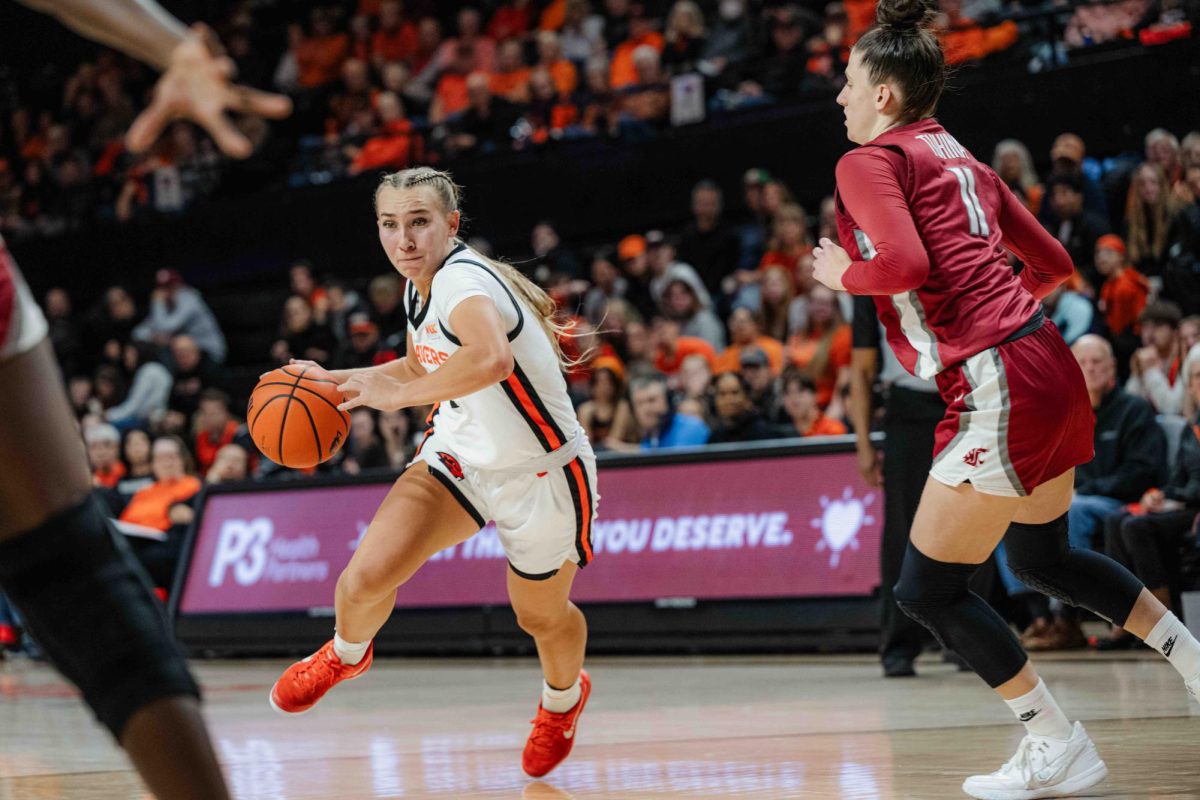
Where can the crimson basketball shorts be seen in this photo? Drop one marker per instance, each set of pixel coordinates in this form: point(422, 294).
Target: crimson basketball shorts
point(1018, 415)
point(543, 519)
point(22, 325)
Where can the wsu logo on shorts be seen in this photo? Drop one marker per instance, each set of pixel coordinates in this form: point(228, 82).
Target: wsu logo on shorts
point(974, 457)
point(242, 545)
point(451, 464)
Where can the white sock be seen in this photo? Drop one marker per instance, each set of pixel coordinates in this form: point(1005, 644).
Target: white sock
point(1171, 638)
point(349, 653)
point(1041, 714)
point(559, 701)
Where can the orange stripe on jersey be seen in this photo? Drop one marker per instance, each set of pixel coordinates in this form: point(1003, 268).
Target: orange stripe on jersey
point(583, 537)
point(432, 413)
point(531, 411)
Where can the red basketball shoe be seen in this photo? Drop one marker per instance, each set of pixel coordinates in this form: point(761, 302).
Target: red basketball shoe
point(553, 734)
point(305, 682)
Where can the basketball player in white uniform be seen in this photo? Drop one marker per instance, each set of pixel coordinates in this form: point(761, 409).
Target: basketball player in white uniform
point(504, 445)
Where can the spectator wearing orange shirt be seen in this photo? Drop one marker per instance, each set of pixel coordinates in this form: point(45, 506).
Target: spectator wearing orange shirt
point(451, 96)
point(164, 506)
point(963, 39)
point(1125, 290)
point(216, 428)
point(670, 349)
point(550, 58)
point(470, 36)
point(789, 241)
point(510, 79)
point(822, 348)
point(319, 56)
point(803, 412)
point(394, 145)
point(745, 331)
point(622, 71)
point(103, 449)
point(396, 39)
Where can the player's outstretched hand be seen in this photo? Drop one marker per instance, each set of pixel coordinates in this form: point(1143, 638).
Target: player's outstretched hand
point(197, 85)
point(373, 390)
point(830, 263)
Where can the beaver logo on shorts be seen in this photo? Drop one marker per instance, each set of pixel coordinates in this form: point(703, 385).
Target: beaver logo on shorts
point(974, 457)
point(451, 464)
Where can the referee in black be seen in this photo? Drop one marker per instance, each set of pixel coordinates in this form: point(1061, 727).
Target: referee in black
point(912, 409)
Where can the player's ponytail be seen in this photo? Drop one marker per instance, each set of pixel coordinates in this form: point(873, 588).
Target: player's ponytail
point(902, 49)
point(449, 195)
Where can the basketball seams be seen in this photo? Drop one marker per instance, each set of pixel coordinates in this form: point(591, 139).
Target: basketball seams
point(284, 370)
point(288, 391)
point(288, 407)
point(319, 396)
point(316, 434)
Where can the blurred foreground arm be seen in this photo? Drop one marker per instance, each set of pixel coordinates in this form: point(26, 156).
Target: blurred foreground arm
point(197, 78)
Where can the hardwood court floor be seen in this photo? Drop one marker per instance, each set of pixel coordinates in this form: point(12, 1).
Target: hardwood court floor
point(745, 727)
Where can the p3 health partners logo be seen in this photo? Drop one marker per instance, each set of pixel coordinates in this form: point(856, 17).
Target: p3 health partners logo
point(250, 551)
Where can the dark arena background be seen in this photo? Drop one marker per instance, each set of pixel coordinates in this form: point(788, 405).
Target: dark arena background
point(664, 171)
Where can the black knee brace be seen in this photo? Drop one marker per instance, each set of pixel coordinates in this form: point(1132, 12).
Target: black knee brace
point(92, 611)
point(935, 594)
point(1041, 557)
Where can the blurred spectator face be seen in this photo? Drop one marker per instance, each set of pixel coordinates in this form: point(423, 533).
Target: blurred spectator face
point(1163, 150)
point(322, 25)
point(137, 448)
point(479, 93)
point(742, 329)
point(395, 423)
point(752, 191)
point(1066, 202)
point(1009, 166)
point(119, 304)
point(58, 304)
point(706, 205)
point(786, 32)
point(212, 416)
point(102, 448)
point(389, 14)
point(429, 34)
point(666, 333)
point(469, 23)
point(79, 389)
point(758, 375)
point(395, 77)
point(297, 314)
point(389, 108)
point(543, 239)
point(107, 385)
point(232, 463)
point(360, 27)
point(790, 225)
point(166, 461)
point(1149, 184)
point(186, 353)
point(1189, 333)
point(799, 401)
point(131, 358)
point(384, 293)
point(1108, 260)
point(695, 376)
point(776, 287)
point(650, 406)
point(604, 386)
point(604, 274)
point(729, 398)
point(679, 300)
point(646, 64)
point(362, 427)
point(549, 48)
point(774, 196)
point(301, 279)
point(355, 76)
point(1159, 335)
point(1067, 154)
point(510, 56)
point(822, 305)
point(637, 340)
point(541, 85)
point(660, 256)
point(1096, 361)
point(731, 10)
point(596, 76)
point(616, 8)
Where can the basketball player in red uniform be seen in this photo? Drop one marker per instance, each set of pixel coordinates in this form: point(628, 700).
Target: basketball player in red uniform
point(925, 227)
point(61, 563)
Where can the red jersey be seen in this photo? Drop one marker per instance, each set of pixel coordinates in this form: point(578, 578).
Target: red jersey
point(926, 226)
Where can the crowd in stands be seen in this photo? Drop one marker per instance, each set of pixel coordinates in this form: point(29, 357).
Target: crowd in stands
point(387, 84)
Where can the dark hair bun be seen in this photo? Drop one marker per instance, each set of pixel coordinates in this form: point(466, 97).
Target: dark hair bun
point(905, 15)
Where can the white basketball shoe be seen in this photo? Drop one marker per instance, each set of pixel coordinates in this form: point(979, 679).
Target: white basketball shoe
point(1043, 767)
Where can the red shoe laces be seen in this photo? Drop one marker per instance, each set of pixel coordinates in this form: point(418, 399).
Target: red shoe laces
point(548, 729)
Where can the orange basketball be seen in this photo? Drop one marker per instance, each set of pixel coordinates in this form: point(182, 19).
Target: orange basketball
point(295, 420)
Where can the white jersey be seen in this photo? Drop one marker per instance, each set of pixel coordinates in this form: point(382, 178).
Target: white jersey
point(519, 419)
